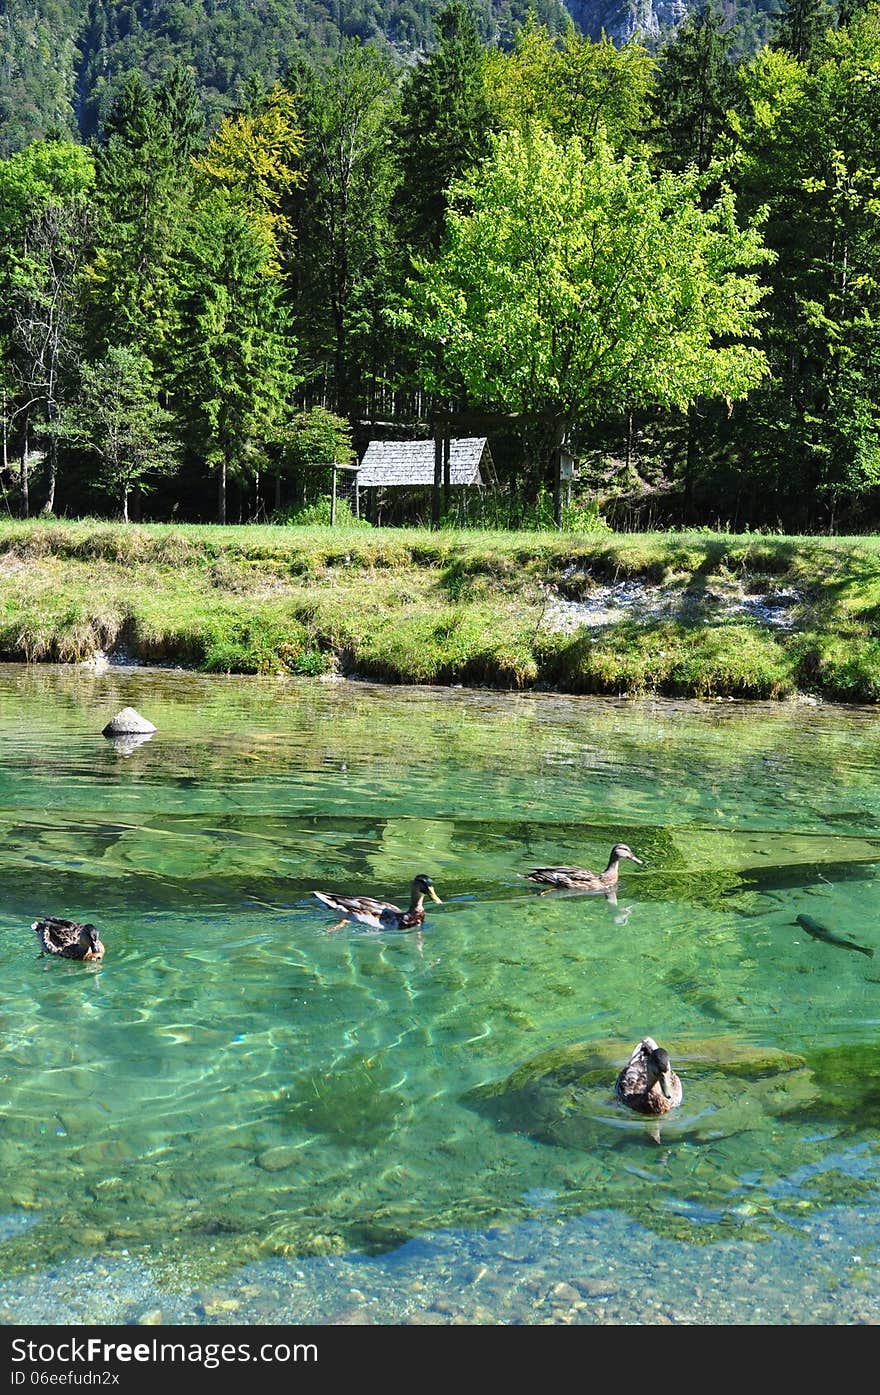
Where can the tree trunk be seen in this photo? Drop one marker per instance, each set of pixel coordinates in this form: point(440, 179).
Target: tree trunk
point(690, 463)
point(49, 506)
point(23, 475)
point(221, 505)
point(125, 505)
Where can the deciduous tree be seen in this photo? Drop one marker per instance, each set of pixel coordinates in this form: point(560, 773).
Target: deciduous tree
point(116, 417)
point(575, 285)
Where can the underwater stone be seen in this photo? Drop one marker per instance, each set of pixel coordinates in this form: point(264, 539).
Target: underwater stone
point(128, 722)
point(277, 1159)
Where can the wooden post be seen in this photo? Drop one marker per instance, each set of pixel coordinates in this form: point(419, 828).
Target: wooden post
point(559, 438)
point(447, 472)
point(333, 499)
point(357, 498)
point(438, 475)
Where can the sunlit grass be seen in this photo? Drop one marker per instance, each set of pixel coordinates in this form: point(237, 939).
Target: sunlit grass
point(450, 606)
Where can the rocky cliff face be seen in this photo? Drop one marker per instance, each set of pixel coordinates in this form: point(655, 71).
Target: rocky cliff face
point(622, 20)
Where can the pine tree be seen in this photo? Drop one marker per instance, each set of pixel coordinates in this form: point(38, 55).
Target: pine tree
point(232, 360)
point(177, 100)
point(696, 84)
point(345, 241)
point(800, 25)
point(142, 191)
point(445, 125)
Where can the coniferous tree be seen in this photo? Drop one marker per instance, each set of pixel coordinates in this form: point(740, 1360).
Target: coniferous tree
point(141, 189)
point(233, 356)
point(695, 87)
point(808, 156)
point(177, 100)
point(800, 25)
point(345, 240)
point(445, 124)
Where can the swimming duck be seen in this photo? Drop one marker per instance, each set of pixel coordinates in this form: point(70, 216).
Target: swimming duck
point(68, 939)
point(382, 915)
point(647, 1082)
point(580, 878)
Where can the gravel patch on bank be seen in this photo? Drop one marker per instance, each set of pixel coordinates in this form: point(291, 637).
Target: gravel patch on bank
point(639, 600)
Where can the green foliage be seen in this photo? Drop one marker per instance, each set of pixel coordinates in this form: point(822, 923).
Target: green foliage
point(570, 86)
point(445, 124)
point(116, 416)
point(574, 284)
point(47, 171)
point(346, 244)
point(318, 514)
point(695, 87)
point(800, 25)
point(232, 359)
point(141, 195)
point(806, 153)
point(37, 70)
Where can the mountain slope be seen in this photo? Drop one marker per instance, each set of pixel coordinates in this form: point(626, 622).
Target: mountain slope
point(60, 60)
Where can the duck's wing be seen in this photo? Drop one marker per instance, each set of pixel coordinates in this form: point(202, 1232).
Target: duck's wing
point(560, 876)
point(56, 934)
point(364, 908)
point(637, 1077)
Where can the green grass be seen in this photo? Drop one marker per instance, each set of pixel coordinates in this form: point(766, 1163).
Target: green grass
point(415, 606)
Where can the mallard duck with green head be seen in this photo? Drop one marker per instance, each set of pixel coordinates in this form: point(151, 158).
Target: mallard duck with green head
point(382, 915)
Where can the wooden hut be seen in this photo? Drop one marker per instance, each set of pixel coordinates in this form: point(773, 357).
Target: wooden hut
point(412, 465)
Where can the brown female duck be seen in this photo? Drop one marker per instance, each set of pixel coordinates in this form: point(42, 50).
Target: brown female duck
point(68, 939)
point(647, 1082)
point(580, 878)
point(382, 915)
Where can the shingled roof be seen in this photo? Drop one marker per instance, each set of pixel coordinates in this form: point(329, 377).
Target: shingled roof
point(412, 462)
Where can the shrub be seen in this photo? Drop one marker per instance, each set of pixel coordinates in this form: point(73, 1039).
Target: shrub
point(317, 514)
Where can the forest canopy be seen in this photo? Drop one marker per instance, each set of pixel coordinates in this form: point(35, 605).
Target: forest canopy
point(666, 259)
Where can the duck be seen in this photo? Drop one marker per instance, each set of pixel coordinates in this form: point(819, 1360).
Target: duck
point(382, 915)
point(581, 879)
point(68, 939)
point(647, 1083)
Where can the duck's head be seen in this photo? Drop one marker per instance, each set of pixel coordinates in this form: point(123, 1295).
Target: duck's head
point(658, 1064)
point(621, 851)
point(92, 940)
point(423, 886)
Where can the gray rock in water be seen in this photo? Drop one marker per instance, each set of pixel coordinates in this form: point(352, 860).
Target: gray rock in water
point(128, 723)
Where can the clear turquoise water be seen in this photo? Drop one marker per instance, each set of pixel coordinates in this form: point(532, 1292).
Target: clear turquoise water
point(236, 1087)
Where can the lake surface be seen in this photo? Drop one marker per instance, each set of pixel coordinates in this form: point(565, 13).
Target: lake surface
point(241, 1117)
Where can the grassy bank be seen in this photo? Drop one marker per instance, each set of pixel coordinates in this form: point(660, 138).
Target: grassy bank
point(413, 606)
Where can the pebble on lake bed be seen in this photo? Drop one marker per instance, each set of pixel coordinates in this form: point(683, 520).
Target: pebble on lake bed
point(128, 722)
